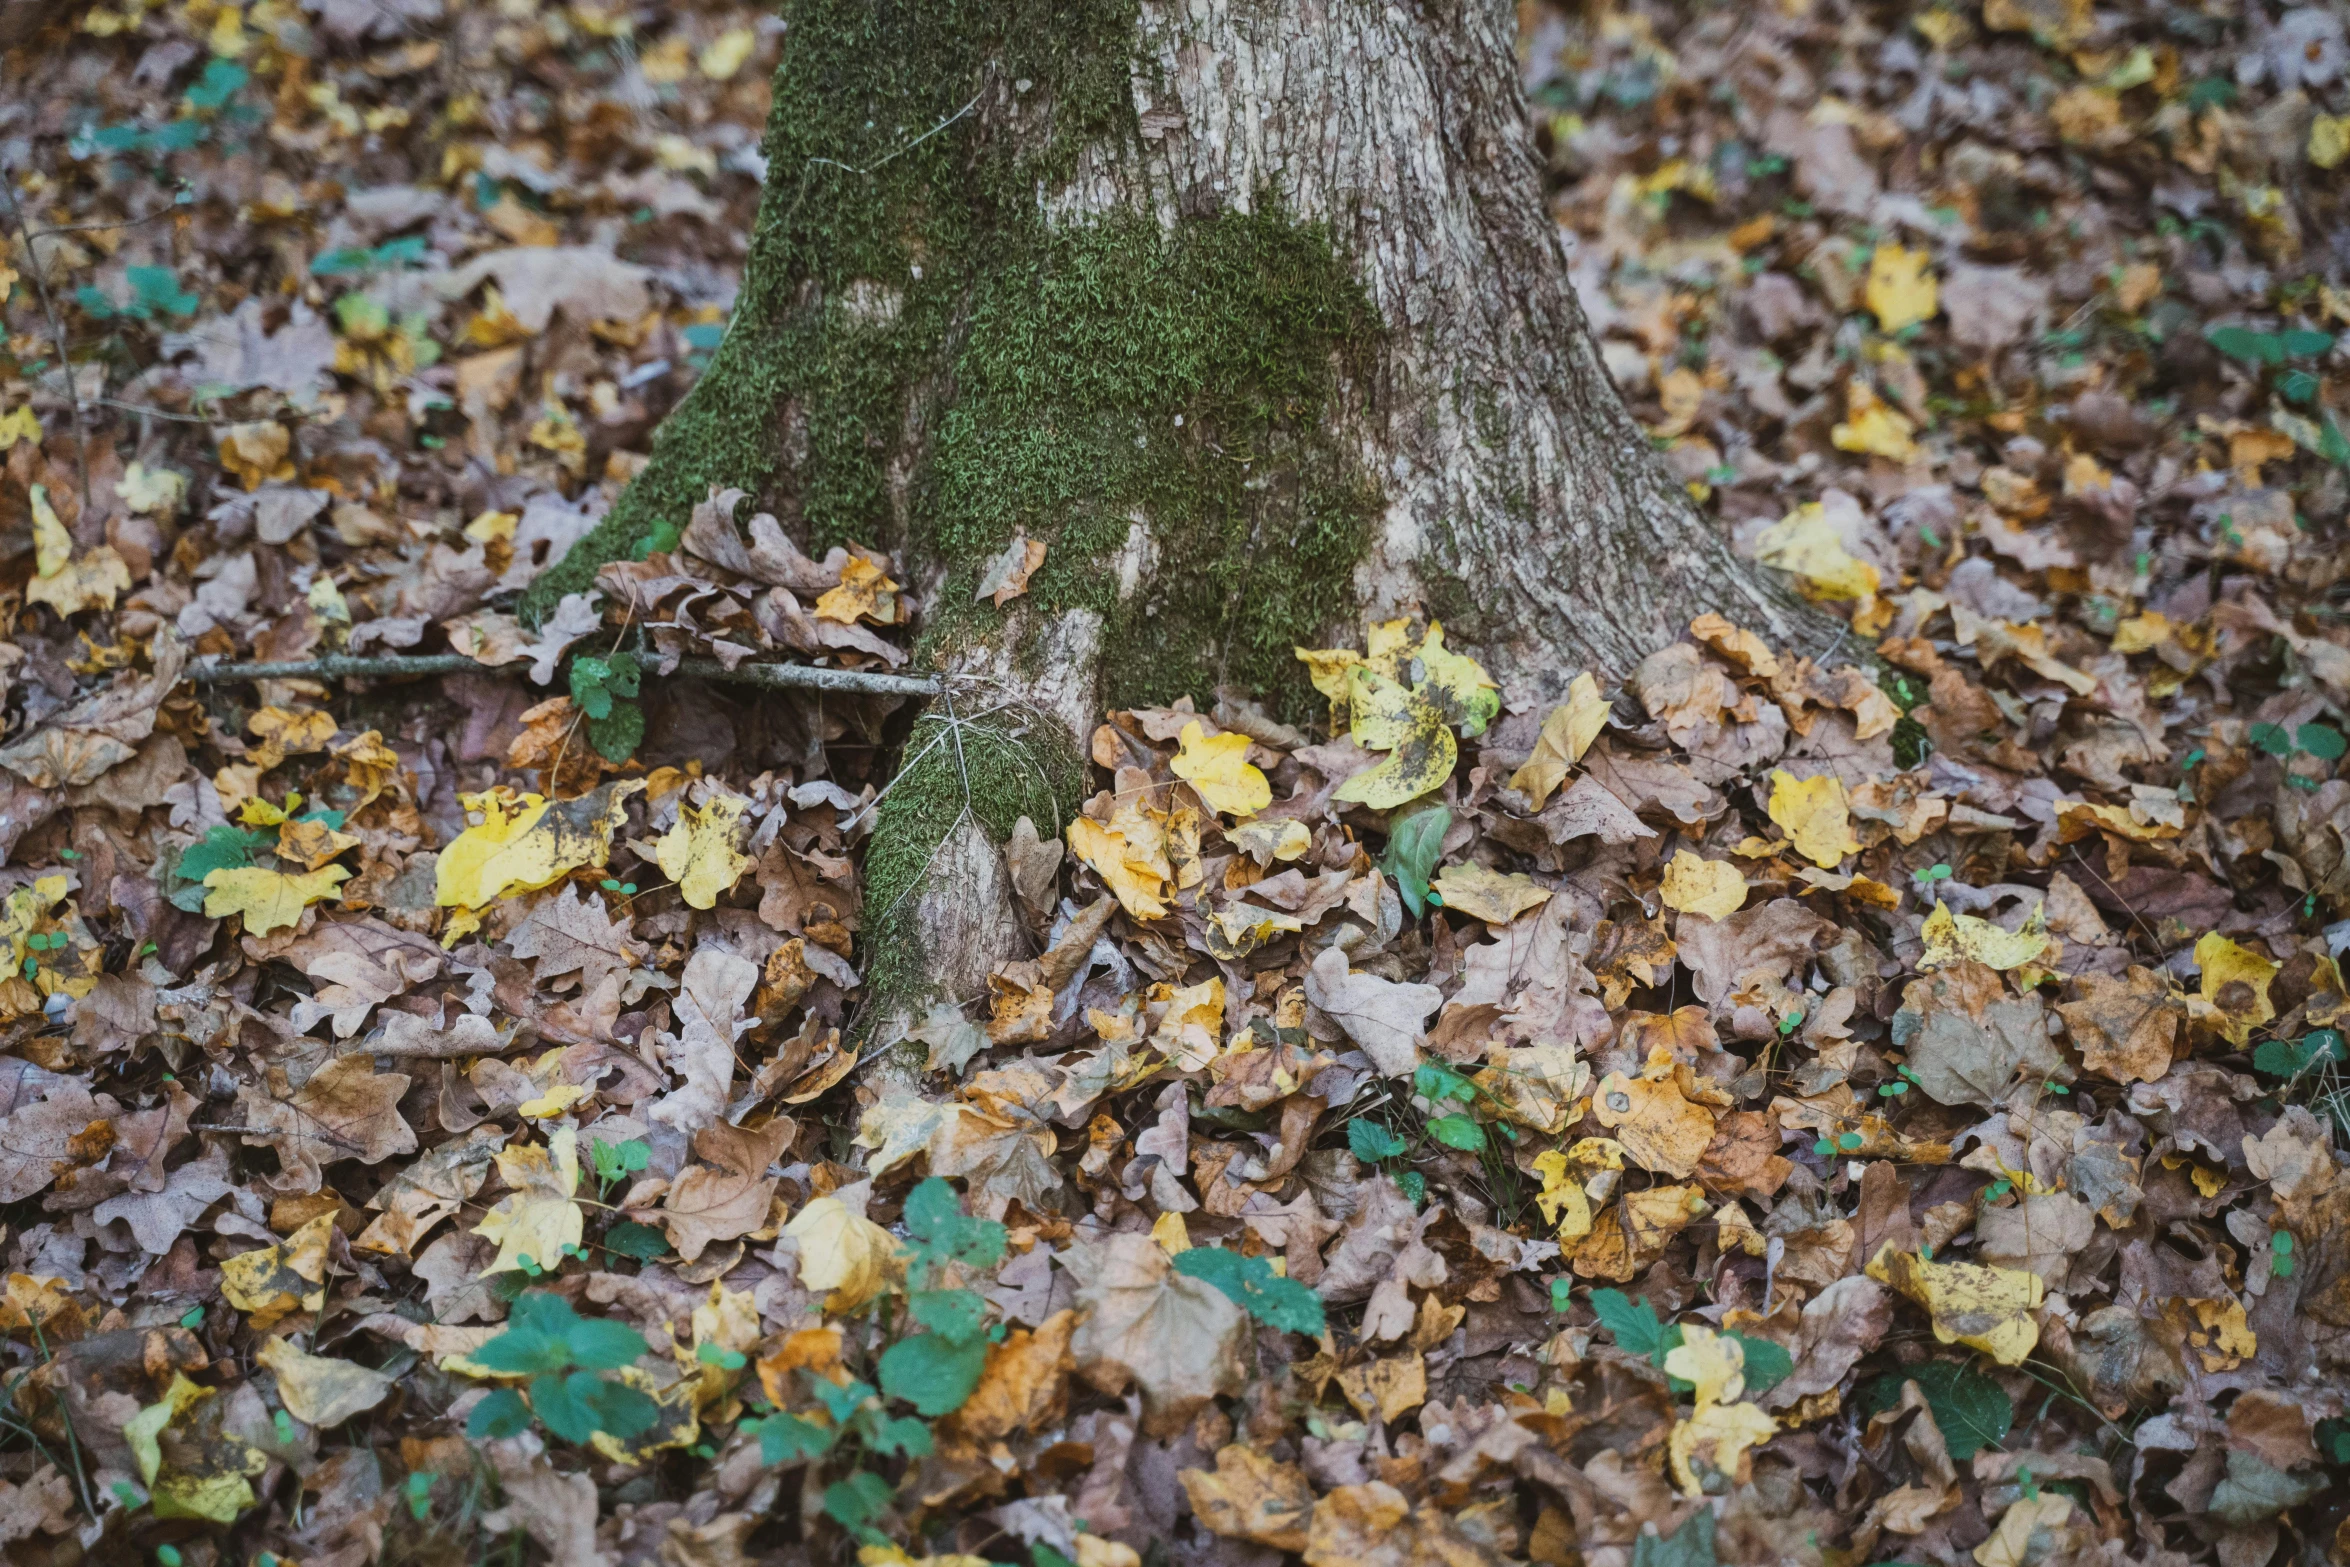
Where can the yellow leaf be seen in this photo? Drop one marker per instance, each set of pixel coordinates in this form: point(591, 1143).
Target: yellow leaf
point(274, 1280)
point(698, 853)
point(269, 900)
point(1172, 1234)
point(1659, 1128)
point(527, 841)
point(2234, 991)
point(65, 584)
point(1266, 842)
point(2142, 633)
point(23, 424)
point(1694, 885)
point(1805, 543)
point(2329, 140)
point(1419, 745)
point(1130, 855)
point(1714, 1363)
point(1561, 1199)
point(865, 593)
point(256, 452)
point(841, 1252)
point(286, 731)
point(1719, 1435)
point(728, 53)
point(554, 1102)
point(2226, 1340)
point(1218, 767)
point(1566, 734)
point(1327, 668)
point(1982, 1307)
point(2011, 1543)
point(1496, 897)
point(158, 491)
point(1901, 289)
point(1950, 937)
point(537, 1217)
point(1874, 428)
point(1387, 1388)
point(320, 1390)
point(1455, 684)
point(214, 1484)
point(1813, 812)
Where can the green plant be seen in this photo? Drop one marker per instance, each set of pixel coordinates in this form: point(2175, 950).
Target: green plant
point(1414, 840)
point(616, 1161)
point(2293, 1059)
point(153, 290)
point(2271, 355)
point(1638, 1331)
point(389, 256)
point(606, 689)
point(1252, 1284)
point(1972, 1411)
point(562, 1352)
point(933, 1371)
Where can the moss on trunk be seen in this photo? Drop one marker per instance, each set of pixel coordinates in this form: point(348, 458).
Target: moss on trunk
point(1124, 393)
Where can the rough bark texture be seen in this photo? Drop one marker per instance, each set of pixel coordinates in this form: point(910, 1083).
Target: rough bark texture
point(1252, 312)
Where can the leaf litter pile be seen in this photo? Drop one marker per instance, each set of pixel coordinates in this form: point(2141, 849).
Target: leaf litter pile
point(1863, 1103)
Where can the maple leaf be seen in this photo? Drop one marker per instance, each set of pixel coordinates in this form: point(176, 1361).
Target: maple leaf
point(1219, 769)
point(537, 1218)
point(1901, 291)
point(573, 933)
point(1176, 1338)
point(698, 853)
point(1814, 813)
point(1985, 1308)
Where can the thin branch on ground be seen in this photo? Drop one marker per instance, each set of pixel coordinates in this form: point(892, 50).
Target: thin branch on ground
point(345, 666)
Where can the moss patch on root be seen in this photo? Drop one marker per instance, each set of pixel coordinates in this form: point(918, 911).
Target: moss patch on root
point(1003, 766)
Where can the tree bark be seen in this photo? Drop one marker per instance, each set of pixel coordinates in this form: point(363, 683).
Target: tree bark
point(1253, 313)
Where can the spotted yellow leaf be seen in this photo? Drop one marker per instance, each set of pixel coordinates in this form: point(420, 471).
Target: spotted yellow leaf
point(208, 1472)
point(66, 583)
point(1718, 1436)
point(274, 1280)
point(1982, 1307)
point(1419, 745)
point(1950, 937)
point(525, 841)
point(2234, 993)
point(699, 853)
point(1218, 767)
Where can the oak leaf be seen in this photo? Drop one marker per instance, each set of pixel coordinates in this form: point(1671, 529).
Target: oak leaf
point(728, 1195)
point(345, 1110)
point(268, 899)
point(1380, 1015)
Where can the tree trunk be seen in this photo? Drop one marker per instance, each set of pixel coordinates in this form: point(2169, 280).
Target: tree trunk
point(1252, 313)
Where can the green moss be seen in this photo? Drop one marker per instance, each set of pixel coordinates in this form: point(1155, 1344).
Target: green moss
point(882, 197)
point(999, 765)
point(1116, 374)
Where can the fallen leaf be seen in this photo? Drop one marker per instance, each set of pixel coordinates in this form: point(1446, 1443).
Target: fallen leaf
point(1006, 576)
point(1951, 937)
point(537, 1218)
point(526, 841)
point(2233, 995)
point(1219, 769)
point(209, 1472)
point(1178, 1338)
point(729, 1194)
point(1984, 1308)
point(345, 1110)
point(1805, 543)
point(280, 1277)
point(1658, 1127)
point(320, 1390)
point(1387, 1389)
point(269, 899)
point(1496, 897)
point(1692, 884)
point(2126, 1027)
point(1813, 812)
point(699, 852)
point(1718, 1436)
point(1380, 1015)
point(1566, 734)
point(842, 1253)
point(67, 583)
point(1249, 1496)
point(1901, 290)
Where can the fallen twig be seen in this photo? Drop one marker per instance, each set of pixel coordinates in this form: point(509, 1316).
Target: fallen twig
point(343, 666)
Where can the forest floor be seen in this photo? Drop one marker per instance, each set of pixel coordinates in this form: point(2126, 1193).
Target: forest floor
point(1762, 1111)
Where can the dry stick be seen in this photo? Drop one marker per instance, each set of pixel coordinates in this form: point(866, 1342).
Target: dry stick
point(343, 666)
point(73, 394)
